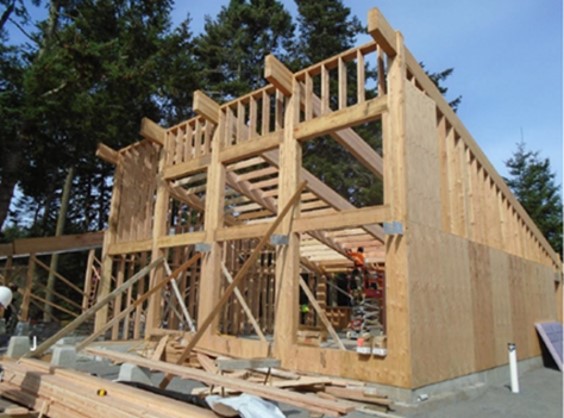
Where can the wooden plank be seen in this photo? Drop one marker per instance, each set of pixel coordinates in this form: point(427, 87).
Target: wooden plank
point(206, 107)
point(107, 154)
point(152, 131)
point(344, 219)
point(255, 146)
point(244, 305)
point(277, 74)
point(342, 119)
point(238, 278)
point(188, 238)
point(58, 275)
point(381, 31)
point(160, 348)
point(91, 311)
point(129, 247)
point(321, 314)
point(280, 395)
point(62, 244)
point(142, 298)
point(192, 166)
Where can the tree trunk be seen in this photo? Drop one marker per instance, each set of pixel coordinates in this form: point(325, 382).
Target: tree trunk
point(8, 181)
point(58, 232)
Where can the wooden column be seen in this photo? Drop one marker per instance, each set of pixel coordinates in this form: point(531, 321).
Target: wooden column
point(160, 225)
point(109, 238)
point(210, 281)
point(88, 279)
point(27, 289)
point(288, 256)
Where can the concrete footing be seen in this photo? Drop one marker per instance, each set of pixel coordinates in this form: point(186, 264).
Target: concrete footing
point(64, 356)
point(18, 346)
point(22, 329)
point(472, 384)
point(132, 373)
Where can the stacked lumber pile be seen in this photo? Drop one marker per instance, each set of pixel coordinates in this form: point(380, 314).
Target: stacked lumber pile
point(63, 393)
point(260, 377)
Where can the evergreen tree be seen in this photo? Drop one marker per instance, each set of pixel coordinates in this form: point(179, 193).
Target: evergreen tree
point(232, 48)
point(110, 64)
point(533, 183)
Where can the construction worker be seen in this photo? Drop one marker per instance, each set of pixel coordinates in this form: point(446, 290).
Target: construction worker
point(304, 310)
point(357, 257)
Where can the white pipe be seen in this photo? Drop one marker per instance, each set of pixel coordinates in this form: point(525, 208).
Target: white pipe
point(512, 351)
point(34, 344)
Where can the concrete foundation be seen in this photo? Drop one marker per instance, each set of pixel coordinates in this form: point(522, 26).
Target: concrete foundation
point(468, 385)
point(132, 373)
point(64, 356)
point(18, 346)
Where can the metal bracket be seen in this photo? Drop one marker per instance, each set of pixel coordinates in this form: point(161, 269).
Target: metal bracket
point(203, 247)
point(393, 228)
point(277, 239)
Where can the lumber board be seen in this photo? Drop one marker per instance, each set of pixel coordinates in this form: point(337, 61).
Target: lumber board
point(344, 219)
point(61, 244)
point(120, 398)
point(342, 119)
point(194, 165)
point(381, 31)
point(107, 154)
point(280, 395)
point(152, 131)
point(206, 107)
point(256, 145)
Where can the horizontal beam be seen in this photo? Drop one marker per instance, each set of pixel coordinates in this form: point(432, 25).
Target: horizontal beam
point(381, 31)
point(62, 244)
point(129, 247)
point(341, 119)
point(277, 74)
point(195, 165)
point(252, 147)
point(242, 232)
point(189, 238)
point(152, 131)
point(205, 106)
point(344, 219)
point(107, 154)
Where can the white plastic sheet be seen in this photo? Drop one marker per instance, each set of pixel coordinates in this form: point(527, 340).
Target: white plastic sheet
point(247, 406)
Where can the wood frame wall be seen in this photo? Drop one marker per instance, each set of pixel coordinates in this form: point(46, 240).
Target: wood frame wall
point(468, 255)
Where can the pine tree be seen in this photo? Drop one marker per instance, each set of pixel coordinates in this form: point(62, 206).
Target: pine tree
point(533, 183)
point(232, 48)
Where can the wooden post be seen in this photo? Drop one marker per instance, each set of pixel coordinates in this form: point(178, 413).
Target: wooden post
point(160, 223)
point(109, 238)
point(210, 281)
point(27, 289)
point(88, 279)
point(288, 256)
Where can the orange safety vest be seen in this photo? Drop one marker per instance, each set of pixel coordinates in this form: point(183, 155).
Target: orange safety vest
point(358, 259)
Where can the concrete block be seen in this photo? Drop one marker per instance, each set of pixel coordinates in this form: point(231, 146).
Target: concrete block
point(22, 329)
point(132, 373)
point(64, 356)
point(18, 346)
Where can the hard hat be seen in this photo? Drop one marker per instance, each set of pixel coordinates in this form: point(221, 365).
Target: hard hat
point(5, 296)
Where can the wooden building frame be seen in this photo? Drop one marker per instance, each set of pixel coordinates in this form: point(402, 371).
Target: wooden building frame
point(467, 270)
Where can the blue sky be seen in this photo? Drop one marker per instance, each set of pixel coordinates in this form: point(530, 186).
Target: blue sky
point(506, 55)
point(507, 60)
